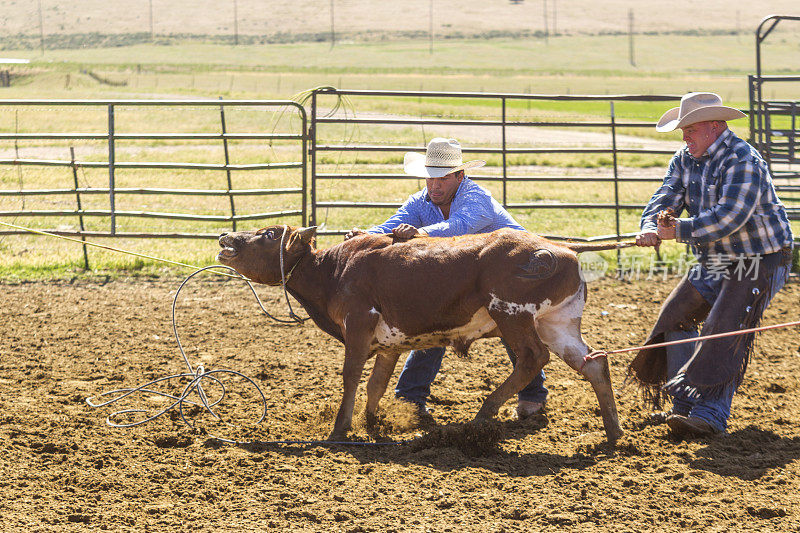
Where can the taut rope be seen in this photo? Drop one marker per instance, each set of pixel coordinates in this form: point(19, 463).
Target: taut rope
point(605, 353)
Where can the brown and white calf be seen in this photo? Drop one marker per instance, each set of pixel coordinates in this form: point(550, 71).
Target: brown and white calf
point(381, 296)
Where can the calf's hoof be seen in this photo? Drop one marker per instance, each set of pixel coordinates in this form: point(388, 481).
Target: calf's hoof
point(486, 413)
point(337, 436)
point(614, 435)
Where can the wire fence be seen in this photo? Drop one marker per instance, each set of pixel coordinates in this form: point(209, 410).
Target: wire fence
point(57, 24)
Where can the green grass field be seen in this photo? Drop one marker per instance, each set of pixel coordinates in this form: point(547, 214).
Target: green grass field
point(576, 64)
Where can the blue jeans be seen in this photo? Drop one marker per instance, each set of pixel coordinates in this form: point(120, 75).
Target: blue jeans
point(414, 383)
point(714, 411)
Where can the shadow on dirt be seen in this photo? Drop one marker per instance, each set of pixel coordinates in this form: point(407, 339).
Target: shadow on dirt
point(748, 453)
point(458, 446)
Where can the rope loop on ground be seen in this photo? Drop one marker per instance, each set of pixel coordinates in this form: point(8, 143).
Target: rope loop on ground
point(195, 377)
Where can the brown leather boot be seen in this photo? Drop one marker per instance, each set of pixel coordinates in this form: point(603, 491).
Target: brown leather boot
point(690, 426)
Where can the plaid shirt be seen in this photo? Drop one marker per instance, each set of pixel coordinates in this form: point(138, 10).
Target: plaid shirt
point(730, 199)
point(473, 210)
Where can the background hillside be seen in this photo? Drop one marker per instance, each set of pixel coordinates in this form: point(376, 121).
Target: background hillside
point(377, 20)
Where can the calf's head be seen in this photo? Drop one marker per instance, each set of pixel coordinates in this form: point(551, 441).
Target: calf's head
point(256, 254)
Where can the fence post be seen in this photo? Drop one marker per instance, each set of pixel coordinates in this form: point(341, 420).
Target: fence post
point(505, 166)
point(227, 163)
point(312, 134)
point(304, 141)
point(616, 175)
point(111, 163)
point(766, 152)
point(793, 131)
point(80, 209)
point(751, 116)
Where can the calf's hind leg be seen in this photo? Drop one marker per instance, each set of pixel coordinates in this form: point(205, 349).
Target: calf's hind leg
point(560, 329)
point(531, 354)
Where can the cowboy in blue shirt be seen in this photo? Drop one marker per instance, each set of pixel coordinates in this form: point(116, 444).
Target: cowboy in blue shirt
point(740, 234)
point(451, 204)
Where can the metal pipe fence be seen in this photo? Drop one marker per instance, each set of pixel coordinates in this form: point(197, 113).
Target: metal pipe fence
point(774, 128)
point(309, 139)
point(320, 118)
point(295, 206)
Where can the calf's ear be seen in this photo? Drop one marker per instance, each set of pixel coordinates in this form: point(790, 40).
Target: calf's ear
point(306, 234)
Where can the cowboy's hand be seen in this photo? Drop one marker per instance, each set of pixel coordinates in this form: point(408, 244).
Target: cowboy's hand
point(648, 238)
point(406, 231)
point(666, 233)
point(354, 233)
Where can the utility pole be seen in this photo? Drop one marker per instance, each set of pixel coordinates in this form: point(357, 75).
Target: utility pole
point(152, 33)
point(41, 27)
point(333, 33)
point(555, 17)
point(544, 9)
point(430, 25)
point(631, 57)
point(235, 23)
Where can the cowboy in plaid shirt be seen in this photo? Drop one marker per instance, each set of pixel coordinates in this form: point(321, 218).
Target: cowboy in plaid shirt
point(739, 231)
point(731, 202)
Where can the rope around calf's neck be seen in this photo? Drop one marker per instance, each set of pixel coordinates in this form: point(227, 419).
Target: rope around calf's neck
point(284, 278)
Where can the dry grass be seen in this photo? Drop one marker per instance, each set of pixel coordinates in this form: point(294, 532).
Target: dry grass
point(586, 62)
point(377, 18)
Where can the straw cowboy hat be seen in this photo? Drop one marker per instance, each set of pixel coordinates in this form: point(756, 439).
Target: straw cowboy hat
point(442, 157)
point(696, 107)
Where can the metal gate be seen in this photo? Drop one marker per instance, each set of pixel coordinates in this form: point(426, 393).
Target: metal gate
point(327, 111)
point(193, 171)
point(775, 124)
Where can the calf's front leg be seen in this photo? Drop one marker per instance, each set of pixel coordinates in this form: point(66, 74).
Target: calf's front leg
point(358, 329)
point(351, 375)
point(378, 382)
point(531, 354)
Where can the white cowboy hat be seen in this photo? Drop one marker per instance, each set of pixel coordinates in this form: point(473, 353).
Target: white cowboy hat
point(442, 157)
point(696, 107)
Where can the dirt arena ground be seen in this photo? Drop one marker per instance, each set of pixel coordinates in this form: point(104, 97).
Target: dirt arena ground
point(63, 469)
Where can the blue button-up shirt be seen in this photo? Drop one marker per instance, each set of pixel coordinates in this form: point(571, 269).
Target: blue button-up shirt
point(472, 210)
point(730, 199)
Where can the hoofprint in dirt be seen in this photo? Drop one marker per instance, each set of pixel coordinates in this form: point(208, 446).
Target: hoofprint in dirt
point(63, 468)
